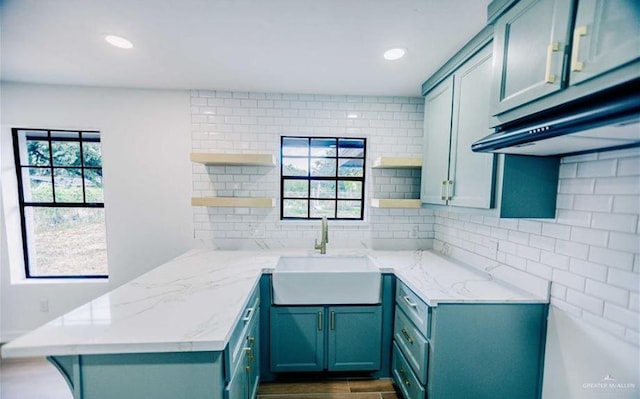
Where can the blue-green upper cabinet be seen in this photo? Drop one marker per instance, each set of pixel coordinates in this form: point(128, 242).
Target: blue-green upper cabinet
point(606, 35)
point(456, 113)
point(530, 41)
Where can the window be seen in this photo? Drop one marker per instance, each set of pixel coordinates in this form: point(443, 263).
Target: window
point(322, 176)
point(61, 202)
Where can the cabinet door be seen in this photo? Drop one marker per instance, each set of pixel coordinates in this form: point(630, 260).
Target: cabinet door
point(606, 35)
point(237, 387)
point(297, 338)
point(355, 338)
point(437, 133)
point(471, 173)
point(253, 354)
point(530, 41)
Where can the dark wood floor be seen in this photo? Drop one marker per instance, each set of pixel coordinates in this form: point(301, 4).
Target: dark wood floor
point(337, 389)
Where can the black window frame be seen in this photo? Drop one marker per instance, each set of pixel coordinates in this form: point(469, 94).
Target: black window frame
point(335, 178)
point(53, 203)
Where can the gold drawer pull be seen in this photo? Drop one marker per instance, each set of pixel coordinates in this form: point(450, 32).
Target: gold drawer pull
point(404, 377)
point(407, 336)
point(319, 321)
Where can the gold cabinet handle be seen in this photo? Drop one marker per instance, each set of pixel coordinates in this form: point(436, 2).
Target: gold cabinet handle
point(249, 353)
point(319, 321)
point(250, 349)
point(404, 377)
point(332, 320)
point(449, 190)
point(551, 48)
point(443, 196)
point(578, 32)
point(407, 336)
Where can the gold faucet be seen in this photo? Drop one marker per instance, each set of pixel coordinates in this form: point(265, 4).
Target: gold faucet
point(324, 237)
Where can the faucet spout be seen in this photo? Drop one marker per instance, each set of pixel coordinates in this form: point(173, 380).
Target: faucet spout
point(324, 237)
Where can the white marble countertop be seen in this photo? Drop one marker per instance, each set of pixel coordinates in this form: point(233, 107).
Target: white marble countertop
point(193, 302)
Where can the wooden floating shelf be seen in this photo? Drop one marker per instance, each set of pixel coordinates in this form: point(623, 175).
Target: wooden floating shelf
point(233, 159)
point(243, 202)
point(397, 162)
point(395, 203)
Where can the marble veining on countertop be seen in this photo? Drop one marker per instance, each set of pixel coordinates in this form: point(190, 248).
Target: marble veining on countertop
point(192, 302)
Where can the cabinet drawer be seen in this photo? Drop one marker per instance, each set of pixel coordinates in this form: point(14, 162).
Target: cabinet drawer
point(404, 377)
point(414, 346)
point(237, 342)
point(414, 307)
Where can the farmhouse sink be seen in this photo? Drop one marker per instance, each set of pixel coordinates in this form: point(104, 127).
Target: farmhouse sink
point(330, 280)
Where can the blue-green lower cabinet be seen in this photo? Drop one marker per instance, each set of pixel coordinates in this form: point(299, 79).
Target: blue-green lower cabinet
point(468, 350)
point(332, 338)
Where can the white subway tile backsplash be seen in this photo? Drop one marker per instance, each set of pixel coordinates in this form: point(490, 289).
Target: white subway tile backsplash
point(569, 279)
point(598, 203)
point(625, 242)
point(629, 166)
point(588, 269)
point(586, 302)
point(629, 185)
point(624, 279)
point(614, 222)
point(555, 260)
point(576, 186)
point(589, 236)
point(573, 218)
point(607, 292)
point(613, 258)
point(622, 316)
point(628, 204)
point(556, 231)
point(539, 269)
point(601, 168)
point(572, 249)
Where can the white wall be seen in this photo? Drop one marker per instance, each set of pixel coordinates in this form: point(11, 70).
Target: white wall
point(591, 255)
point(147, 179)
point(253, 122)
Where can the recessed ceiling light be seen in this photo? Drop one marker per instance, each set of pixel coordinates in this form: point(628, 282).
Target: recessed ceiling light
point(394, 54)
point(352, 116)
point(118, 41)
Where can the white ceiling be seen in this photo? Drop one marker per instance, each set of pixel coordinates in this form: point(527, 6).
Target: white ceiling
point(296, 46)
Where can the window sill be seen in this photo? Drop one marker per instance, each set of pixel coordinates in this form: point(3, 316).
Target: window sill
point(336, 223)
point(59, 281)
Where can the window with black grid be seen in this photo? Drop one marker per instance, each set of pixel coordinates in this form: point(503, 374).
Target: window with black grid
point(61, 202)
point(322, 176)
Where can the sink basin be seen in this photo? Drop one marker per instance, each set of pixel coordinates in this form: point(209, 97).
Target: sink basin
point(331, 280)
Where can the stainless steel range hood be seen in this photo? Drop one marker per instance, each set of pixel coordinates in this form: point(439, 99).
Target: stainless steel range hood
point(605, 121)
